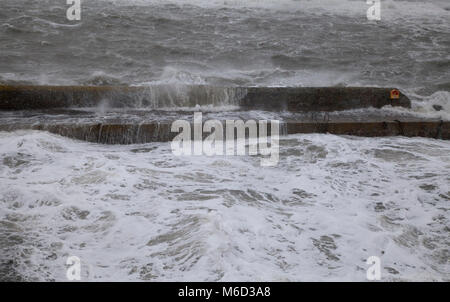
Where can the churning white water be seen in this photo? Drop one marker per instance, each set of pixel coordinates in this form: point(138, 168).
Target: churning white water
point(140, 213)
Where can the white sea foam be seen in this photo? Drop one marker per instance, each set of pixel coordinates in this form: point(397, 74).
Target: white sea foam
point(436, 106)
point(139, 213)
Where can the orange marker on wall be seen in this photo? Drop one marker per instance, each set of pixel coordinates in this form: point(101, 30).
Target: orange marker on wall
point(395, 94)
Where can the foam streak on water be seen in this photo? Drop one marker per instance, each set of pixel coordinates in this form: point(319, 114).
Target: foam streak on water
point(139, 213)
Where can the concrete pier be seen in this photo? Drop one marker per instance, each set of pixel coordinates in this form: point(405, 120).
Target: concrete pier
point(309, 110)
point(113, 133)
point(298, 99)
point(306, 99)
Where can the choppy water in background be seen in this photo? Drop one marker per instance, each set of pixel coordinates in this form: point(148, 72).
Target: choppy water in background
point(230, 42)
point(139, 213)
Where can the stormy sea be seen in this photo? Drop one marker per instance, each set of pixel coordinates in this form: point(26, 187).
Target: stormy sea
point(138, 212)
